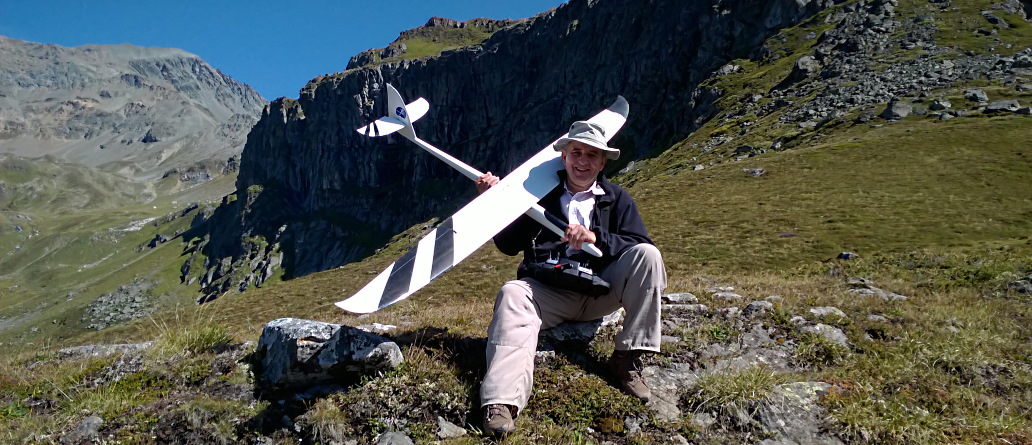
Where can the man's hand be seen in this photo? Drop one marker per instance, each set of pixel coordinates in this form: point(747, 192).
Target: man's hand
point(486, 181)
point(577, 234)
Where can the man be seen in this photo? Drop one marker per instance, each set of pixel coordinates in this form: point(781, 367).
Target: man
point(598, 212)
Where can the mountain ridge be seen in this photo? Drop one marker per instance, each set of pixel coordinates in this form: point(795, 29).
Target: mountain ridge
point(135, 111)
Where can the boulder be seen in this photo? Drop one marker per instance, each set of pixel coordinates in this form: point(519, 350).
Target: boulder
point(1003, 106)
point(863, 287)
point(393, 438)
point(940, 104)
point(833, 334)
point(1022, 61)
point(682, 298)
point(727, 296)
point(757, 308)
point(296, 353)
point(685, 309)
point(825, 311)
point(897, 110)
point(87, 431)
point(976, 95)
point(803, 68)
point(447, 430)
point(1023, 286)
point(579, 331)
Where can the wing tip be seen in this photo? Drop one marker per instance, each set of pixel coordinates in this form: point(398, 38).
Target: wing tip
point(351, 307)
point(620, 106)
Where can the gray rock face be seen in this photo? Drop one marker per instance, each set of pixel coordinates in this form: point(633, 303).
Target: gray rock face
point(667, 383)
point(123, 109)
point(793, 416)
point(334, 187)
point(294, 353)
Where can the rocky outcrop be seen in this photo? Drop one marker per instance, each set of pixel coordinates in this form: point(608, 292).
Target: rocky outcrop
point(438, 30)
point(836, 78)
point(294, 353)
point(127, 302)
point(121, 108)
point(847, 80)
point(330, 196)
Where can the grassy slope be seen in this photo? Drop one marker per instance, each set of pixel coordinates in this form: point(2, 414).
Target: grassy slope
point(938, 211)
point(66, 257)
point(891, 188)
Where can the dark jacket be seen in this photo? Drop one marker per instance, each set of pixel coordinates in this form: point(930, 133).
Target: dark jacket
point(624, 229)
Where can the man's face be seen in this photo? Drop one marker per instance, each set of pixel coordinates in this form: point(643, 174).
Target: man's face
point(583, 163)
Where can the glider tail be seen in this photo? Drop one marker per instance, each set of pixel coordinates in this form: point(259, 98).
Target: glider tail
point(396, 109)
point(399, 116)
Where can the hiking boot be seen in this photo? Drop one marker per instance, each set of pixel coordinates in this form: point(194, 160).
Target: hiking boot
point(627, 366)
point(498, 420)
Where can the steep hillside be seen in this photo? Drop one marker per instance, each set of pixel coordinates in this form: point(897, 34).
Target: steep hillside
point(138, 112)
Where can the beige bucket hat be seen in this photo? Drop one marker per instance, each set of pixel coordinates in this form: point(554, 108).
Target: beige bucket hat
point(588, 133)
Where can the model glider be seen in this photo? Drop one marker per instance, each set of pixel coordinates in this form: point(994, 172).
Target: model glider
point(476, 223)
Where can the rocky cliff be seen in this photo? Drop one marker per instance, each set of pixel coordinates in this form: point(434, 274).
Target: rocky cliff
point(312, 194)
point(139, 112)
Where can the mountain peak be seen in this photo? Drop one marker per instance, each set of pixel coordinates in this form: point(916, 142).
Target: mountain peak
point(122, 108)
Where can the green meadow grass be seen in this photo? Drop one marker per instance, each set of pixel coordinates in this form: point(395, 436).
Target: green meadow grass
point(66, 255)
point(866, 189)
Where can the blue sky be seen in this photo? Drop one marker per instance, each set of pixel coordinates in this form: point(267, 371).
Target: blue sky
point(275, 46)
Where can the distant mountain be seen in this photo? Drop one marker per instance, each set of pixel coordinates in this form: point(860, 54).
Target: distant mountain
point(142, 113)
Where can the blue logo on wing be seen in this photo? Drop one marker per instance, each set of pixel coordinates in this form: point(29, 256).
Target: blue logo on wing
point(400, 111)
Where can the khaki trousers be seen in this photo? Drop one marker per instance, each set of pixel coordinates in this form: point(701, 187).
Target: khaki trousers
point(524, 307)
